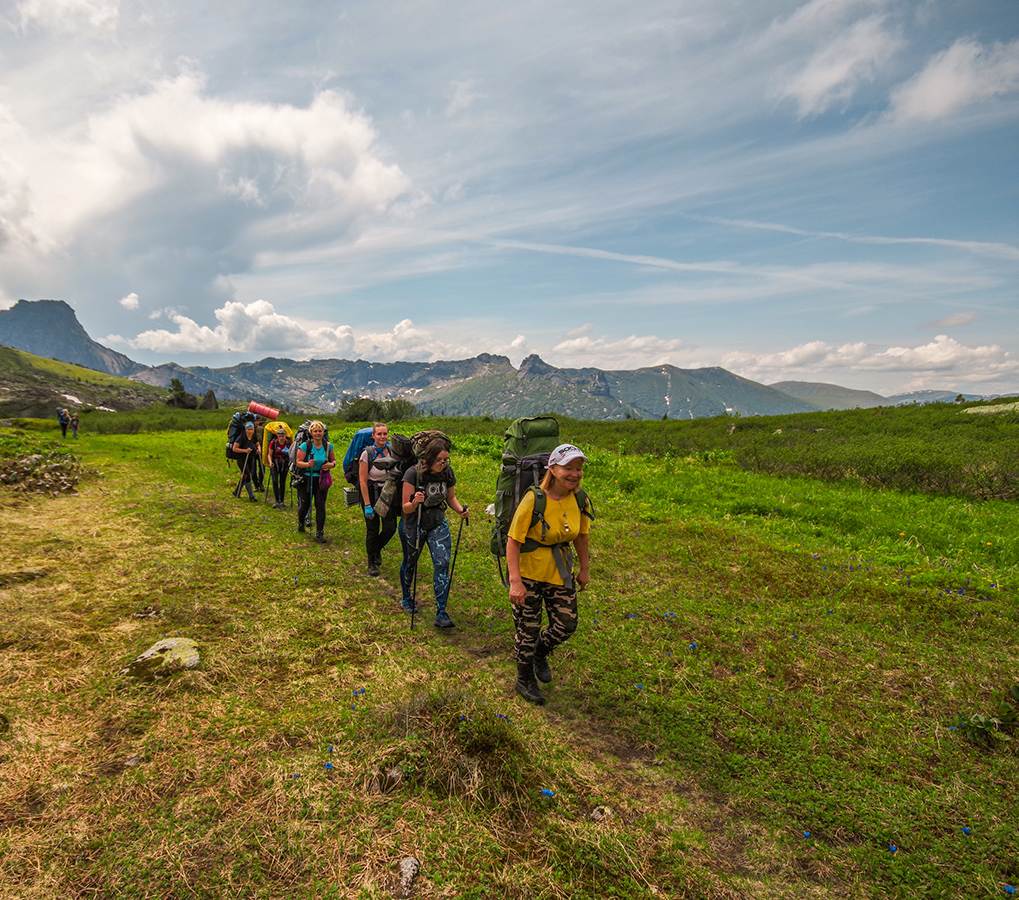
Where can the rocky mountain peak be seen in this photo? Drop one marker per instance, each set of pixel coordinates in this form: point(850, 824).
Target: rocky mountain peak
point(51, 328)
point(534, 367)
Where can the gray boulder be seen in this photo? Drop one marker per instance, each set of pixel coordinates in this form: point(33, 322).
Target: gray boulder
point(186, 401)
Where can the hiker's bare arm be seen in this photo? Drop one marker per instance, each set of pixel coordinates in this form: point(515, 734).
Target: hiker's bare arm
point(517, 593)
point(583, 543)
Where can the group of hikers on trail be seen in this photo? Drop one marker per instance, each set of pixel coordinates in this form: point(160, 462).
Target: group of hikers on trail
point(543, 517)
point(67, 420)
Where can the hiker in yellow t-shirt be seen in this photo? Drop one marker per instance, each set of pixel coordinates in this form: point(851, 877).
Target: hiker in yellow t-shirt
point(539, 558)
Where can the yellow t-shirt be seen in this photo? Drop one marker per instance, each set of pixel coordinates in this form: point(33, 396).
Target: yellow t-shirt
point(564, 524)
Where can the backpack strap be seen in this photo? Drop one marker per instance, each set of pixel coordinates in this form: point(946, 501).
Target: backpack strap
point(585, 504)
point(562, 552)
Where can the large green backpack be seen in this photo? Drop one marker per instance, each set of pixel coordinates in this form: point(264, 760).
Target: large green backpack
point(527, 444)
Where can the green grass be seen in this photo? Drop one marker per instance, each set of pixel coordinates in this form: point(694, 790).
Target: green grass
point(759, 657)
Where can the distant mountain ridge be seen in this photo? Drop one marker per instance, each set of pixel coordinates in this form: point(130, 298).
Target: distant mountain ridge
point(483, 385)
point(50, 328)
point(490, 385)
point(830, 396)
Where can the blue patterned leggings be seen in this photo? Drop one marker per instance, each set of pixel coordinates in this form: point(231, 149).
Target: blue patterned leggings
point(440, 546)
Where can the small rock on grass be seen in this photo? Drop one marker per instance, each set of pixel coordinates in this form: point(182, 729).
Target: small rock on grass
point(164, 658)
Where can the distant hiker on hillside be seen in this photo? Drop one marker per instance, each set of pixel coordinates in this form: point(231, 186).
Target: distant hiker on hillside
point(74, 425)
point(64, 419)
point(316, 459)
point(279, 464)
point(246, 450)
point(424, 522)
point(539, 558)
point(378, 529)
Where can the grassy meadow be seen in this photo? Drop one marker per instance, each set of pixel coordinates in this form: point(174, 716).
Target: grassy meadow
point(772, 686)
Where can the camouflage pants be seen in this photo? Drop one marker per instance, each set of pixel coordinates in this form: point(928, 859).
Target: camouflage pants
point(561, 606)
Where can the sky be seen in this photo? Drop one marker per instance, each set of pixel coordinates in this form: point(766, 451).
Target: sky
point(814, 191)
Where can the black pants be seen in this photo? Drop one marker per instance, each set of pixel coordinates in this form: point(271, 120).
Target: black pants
point(279, 480)
point(258, 473)
point(309, 492)
point(378, 530)
point(244, 464)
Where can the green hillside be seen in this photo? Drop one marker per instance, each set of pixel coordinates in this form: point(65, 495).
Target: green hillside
point(504, 395)
point(35, 386)
point(780, 687)
point(830, 396)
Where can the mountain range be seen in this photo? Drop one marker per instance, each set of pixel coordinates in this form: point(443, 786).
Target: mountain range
point(482, 385)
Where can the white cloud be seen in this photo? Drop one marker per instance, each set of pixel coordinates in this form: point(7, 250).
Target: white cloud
point(817, 18)
point(460, 96)
point(630, 352)
point(258, 330)
point(956, 320)
point(405, 341)
point(130, 301)
point(834, 73)
point(943, 356)
point(255, 327)
point(980, 248)
point(963, 75)
point(292, 169)
point(586, 328)
point(70, 15)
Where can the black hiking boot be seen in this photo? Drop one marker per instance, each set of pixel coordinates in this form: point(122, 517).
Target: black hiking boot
point(320, 536)
point(373, 570)
point(300, 527)
point(526, 686)
point(542, 670)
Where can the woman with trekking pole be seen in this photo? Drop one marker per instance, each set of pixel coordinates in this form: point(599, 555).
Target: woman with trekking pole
point(549, 522)
point(316, 459)
point(279, 464)
point(378, 529)
point(246, 449)
point(426, 494)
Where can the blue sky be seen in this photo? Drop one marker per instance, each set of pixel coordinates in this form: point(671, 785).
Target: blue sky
point(819, 191)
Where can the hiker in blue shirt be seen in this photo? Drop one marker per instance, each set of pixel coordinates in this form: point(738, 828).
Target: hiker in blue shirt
point(378, 529)
point(64, 419)
point(316, 459)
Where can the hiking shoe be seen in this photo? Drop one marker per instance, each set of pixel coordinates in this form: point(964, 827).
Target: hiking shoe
point(443, 621)
point(409, 606)
point(542, 670)
point(373, 570)
point(527, 687)
point(300, 528)
point(320, 536)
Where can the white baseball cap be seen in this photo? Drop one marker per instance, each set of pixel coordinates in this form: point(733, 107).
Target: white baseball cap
point(564, 454)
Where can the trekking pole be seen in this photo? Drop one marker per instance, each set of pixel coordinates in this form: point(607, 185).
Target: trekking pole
point(269, 470)
point(244, 471)
point(456, 551)
point(414, 582)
